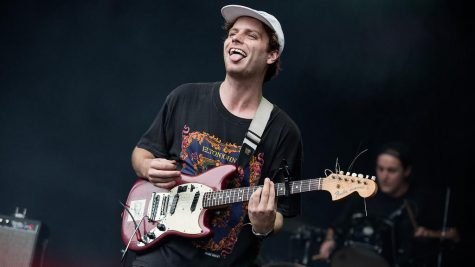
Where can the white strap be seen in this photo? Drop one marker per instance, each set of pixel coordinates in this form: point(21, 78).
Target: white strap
point(258, 124)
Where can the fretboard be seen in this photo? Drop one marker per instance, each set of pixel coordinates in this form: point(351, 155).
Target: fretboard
point(241, 194)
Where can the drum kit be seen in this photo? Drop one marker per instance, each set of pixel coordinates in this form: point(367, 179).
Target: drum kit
point(366, 242)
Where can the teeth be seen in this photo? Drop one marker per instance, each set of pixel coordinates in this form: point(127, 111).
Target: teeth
point(238, 51)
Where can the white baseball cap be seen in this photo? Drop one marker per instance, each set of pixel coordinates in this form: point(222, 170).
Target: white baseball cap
point(232, 12)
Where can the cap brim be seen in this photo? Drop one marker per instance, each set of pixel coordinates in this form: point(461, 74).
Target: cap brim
point(232, 12)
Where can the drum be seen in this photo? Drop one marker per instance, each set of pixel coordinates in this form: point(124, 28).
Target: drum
point(369, 232)
point(304, 242)
point(367, 242)
point(357, 256)
point(283, 264)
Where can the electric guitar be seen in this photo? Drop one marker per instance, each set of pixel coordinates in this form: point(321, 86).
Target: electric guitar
point(151, 213)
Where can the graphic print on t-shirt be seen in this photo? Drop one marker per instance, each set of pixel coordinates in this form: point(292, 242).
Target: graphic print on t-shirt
point(201, 151)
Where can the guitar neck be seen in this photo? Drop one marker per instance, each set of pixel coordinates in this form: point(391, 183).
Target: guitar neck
point(242, 194)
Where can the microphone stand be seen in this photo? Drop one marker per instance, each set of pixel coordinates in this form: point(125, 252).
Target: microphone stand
point(444, 226)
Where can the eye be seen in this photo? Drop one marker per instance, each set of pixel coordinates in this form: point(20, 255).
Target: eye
point(253, 36)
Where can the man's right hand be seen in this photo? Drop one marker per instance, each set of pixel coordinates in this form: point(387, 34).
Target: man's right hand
point(162, 172)
point(159, 171)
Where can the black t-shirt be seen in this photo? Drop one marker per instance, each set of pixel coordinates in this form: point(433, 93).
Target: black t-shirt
point(193, 126)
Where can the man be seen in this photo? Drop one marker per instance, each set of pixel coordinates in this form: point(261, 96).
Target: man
point(396, 229)
point(201, 126)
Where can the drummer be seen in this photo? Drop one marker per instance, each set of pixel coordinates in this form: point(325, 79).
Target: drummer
point(398, 223)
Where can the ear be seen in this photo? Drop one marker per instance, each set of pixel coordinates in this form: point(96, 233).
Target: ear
point(272, 56)
point(407, 171)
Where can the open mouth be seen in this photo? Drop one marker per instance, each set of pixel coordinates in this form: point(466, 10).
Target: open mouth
point(237, 54)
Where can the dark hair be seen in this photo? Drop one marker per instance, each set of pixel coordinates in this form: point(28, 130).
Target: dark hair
point(399, 150)
point(274, 68)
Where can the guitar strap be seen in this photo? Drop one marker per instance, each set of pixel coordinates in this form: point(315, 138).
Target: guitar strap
point(254, 133)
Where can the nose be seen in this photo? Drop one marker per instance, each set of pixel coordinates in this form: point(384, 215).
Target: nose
point(383, 175)
point(236, 38)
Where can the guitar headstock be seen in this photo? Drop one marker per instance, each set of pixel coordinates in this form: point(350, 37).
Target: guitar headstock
point(341, 185)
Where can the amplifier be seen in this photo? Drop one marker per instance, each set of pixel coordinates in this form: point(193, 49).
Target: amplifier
point(18, 239)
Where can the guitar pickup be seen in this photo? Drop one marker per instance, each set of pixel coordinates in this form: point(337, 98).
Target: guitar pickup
point(174, 203)
point(155, 202)
point(195, 201)
point(164, 207)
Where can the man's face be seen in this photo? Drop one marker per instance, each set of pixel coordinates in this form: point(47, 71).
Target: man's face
point(245, 49)
point(391, 175)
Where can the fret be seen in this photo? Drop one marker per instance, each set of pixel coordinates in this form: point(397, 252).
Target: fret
point(207, 195)
point(215, 201)
point(221, 197)
point(295, 188)
point(228, 197)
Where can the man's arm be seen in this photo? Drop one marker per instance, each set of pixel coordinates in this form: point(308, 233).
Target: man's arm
point(451, 234)
point(327, 246)
point(141, 159)
point(159, 171)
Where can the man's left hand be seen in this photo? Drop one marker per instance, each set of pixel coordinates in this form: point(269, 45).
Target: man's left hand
point(262, 208)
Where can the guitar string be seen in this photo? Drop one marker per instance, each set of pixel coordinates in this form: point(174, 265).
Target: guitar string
point(314, 183)
point(349, 169)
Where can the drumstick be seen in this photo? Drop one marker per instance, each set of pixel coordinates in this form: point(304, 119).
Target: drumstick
point(411, 214)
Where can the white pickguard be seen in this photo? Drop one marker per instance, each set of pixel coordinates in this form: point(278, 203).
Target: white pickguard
point(183, 219)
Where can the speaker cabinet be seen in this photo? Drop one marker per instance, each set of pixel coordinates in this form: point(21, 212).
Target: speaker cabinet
point(18, 240)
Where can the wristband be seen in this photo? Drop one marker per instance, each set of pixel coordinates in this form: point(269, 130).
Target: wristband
point(262, 236)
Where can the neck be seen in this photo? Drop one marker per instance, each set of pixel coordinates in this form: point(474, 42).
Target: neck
point(402, 190)
point(241, 98)
point(241, 194)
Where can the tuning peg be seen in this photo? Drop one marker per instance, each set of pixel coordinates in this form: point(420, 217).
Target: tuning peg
point(347, 173)
point(360, 175)
point(342, 172)
point(373, 178)
point(367, 177)
point(353, 174)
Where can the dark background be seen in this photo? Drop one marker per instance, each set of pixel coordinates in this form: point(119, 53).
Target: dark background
point(80, 81)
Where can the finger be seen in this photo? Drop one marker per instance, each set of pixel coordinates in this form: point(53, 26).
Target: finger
point(254, 200)
point(163, 173)
point(271, 203)
point(264, 195)
point(163, 164)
